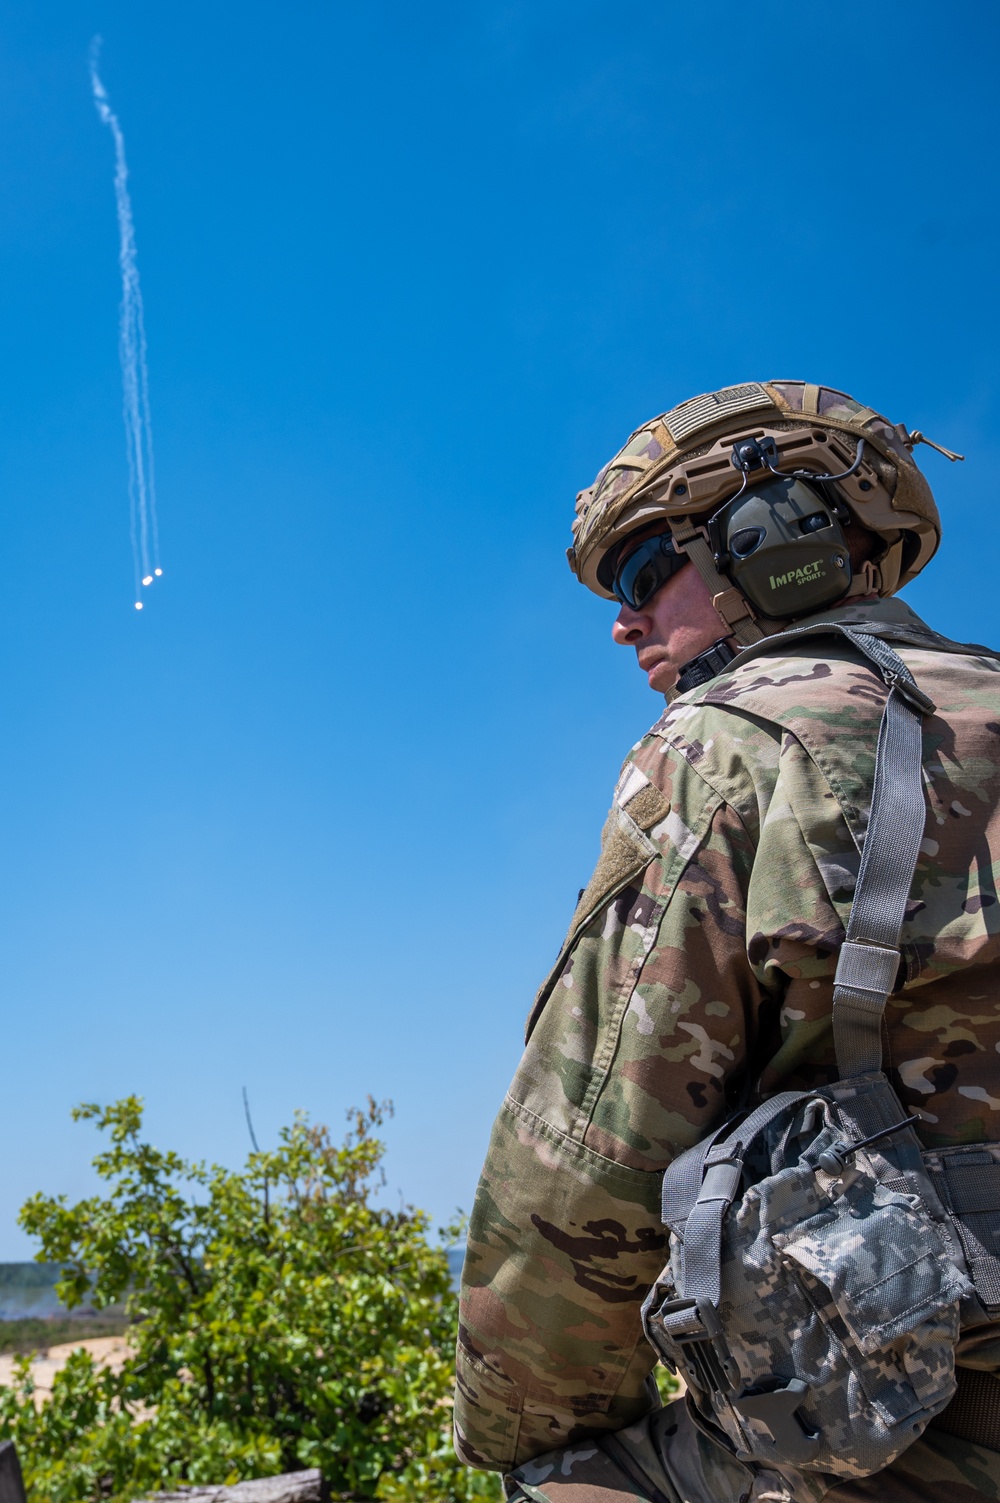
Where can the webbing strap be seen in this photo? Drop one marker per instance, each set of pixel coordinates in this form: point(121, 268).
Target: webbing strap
point(869, 960)
point(733, 609)
point(869, 642)
point(682, 1180)
point(722, 1168)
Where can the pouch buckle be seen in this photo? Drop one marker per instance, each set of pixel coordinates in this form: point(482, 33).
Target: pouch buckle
point(687, 1336)
point(775, 1405)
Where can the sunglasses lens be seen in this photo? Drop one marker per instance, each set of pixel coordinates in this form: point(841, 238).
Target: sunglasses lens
point(646, 582)
point(647, 568)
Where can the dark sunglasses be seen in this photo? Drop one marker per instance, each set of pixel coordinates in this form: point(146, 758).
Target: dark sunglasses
point(645, 569)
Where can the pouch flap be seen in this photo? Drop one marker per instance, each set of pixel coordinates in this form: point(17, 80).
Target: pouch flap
point(883, 1263)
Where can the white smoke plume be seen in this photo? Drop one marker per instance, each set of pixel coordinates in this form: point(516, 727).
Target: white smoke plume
point(132, 352)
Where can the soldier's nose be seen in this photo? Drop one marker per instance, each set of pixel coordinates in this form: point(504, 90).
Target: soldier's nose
point(630, 627)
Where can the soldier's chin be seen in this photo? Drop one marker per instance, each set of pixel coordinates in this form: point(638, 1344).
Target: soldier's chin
point(662, 676)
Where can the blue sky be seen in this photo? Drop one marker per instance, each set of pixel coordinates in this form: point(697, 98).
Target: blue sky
point(315, 821)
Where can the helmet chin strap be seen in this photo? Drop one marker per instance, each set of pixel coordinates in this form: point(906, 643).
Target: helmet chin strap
point(733, 609)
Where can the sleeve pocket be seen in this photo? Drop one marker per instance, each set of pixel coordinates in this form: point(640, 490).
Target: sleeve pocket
point(487, 1413)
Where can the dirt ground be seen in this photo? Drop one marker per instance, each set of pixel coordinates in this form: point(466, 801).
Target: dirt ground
point(107, 1351)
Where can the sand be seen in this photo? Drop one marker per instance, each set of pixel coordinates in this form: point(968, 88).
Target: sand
point(107, 1351)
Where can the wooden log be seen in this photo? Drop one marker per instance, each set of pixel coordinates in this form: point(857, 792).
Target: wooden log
point(291, 1487)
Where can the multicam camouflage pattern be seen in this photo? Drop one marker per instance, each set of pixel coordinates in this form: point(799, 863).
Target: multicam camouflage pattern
point(704, 948)
point(665, 1456)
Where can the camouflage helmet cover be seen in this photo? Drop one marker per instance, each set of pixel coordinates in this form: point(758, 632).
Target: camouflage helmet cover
point(678, 465)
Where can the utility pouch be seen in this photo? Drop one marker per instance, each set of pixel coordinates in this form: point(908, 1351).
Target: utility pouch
point(829, 1344)
point(821, 1265)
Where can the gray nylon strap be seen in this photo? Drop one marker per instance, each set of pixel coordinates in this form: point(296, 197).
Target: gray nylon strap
point(869, 960)
point(683, 1178)
point(864, 968)
point(975, 1188)
point(682, 1182)
point(703, 1232)
point(890, 665)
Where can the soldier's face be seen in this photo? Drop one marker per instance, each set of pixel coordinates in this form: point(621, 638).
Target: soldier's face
point(674, 625)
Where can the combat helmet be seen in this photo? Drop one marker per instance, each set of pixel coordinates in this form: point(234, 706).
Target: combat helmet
point(757, 484)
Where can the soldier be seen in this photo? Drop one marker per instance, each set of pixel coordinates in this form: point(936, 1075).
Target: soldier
point(697, 977)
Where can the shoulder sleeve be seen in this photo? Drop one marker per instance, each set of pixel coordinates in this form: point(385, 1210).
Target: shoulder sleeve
point(636, 1035)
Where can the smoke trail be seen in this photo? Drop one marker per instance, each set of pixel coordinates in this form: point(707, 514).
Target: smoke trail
point(132, 352)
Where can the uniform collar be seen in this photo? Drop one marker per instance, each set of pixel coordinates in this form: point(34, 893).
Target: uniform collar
point(871, 613)
point(891, 612)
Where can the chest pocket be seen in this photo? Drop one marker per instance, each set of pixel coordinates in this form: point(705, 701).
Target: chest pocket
point(626, 850)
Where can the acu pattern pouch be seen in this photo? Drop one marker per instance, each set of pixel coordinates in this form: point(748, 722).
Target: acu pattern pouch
point(821, 1265)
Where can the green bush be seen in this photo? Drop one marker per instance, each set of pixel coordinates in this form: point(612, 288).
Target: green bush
point(280, 1320)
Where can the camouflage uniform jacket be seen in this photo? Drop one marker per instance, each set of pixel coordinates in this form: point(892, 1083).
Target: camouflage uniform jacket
point(702, 954)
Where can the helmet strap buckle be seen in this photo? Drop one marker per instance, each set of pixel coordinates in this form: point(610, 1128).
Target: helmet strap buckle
point(867, 581)
point(731, 606)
